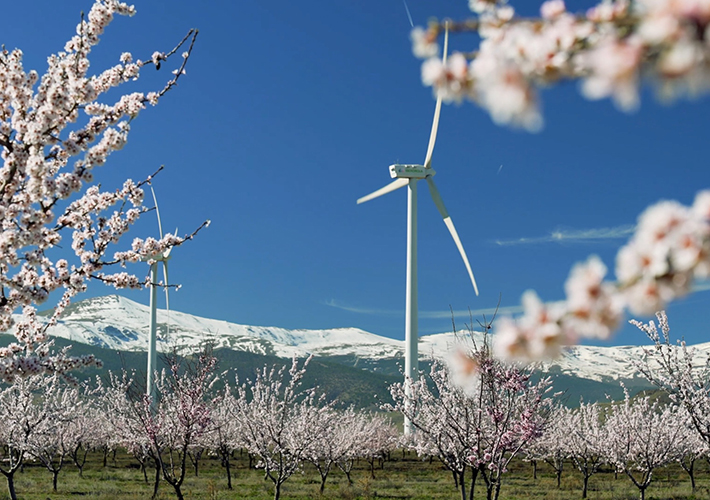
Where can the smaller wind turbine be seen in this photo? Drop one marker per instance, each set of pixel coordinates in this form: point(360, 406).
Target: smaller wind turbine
point(409, 175)
point(152, 352)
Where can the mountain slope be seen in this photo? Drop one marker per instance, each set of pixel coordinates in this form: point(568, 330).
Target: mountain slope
point(117, 323)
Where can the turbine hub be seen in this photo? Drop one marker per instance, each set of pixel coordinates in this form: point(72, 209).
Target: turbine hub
point(399, 170)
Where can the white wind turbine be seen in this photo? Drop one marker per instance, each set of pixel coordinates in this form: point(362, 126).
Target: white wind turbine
point(409, 175)
point(152, 352)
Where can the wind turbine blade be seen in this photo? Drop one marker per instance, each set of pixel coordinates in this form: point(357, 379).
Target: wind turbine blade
point(432, 136)
point(167, 299)
point(450, 226)
point(437, 111)
point(395, 184)
point(157, 212)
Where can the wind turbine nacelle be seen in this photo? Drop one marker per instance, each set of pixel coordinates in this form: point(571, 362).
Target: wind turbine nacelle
point(410, 171)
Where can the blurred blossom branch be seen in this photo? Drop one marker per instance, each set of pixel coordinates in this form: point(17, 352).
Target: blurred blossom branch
point(611, 49)
point(668, 252)
point(54, 132)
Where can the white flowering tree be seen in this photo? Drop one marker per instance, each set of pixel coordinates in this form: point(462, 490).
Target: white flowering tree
point(378, 437)
point(643, 436)
point(61, 435)
point(695, 448)
point(279, 421)
point(125, 412)
point(56, 128)
point(550, 446)
point(678, 370)
point(222, 436)
point(26, 414)
point(585, 443)
point(610, 48)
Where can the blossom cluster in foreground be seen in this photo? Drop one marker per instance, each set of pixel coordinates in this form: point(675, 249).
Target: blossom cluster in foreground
point(609, 48)
point(669, 250)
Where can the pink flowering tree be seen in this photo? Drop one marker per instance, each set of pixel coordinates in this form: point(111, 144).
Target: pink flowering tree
point(167, 430)
point(480, 425)
point(445, 419)
point(56, 128)
point(610, 48)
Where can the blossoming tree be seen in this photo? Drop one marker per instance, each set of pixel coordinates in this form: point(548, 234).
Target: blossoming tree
point(56, 128)
point(481, 425)
point(610, 48)
point(642, 437)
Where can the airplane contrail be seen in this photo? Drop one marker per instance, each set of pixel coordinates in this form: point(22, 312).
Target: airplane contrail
point(408, 13)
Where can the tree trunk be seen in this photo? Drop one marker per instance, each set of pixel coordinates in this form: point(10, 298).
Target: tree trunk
point(55, 474)
point(178, 491)
point(584, 487)
point(158, 471)
point(277, 490)
point(459, 479)
point(689, 469)
point(225, 462)
point(474, 476)
point(534, 464)
point(11, 485)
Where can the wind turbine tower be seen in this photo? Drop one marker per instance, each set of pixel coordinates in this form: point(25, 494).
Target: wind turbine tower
point(152, 352)
point(409, 175)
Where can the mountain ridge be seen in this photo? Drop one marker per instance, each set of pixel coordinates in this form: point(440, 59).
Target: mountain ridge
point(115, 322)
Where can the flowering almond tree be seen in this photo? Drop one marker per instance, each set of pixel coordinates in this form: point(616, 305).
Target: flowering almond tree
point(551, 445)
point(482, 425)
point(678, 370)
point(586, 437)
point(610, 48)
point(643, 436)
point(26, 413)
point(279, 421)
point(167, 430)
point(55, 129)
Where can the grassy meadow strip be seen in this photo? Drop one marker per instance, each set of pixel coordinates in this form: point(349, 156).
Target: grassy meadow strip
point(404, 476)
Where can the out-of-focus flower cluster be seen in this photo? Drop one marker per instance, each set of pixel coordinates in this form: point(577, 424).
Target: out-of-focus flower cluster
point(53, 133)
point(609, 48)
point(669, 250)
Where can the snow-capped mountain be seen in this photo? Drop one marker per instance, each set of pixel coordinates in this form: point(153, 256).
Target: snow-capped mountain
point(114, 322)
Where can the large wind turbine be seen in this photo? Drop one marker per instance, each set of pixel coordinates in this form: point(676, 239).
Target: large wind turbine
point(409, 175)
point(152, 353)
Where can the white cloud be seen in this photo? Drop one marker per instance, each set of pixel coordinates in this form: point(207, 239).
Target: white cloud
point(425, 314)
point(569, 235)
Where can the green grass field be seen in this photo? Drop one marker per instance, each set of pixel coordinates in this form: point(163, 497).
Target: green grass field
point(404, 477)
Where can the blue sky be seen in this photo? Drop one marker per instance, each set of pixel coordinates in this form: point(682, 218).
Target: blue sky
point(289, 112)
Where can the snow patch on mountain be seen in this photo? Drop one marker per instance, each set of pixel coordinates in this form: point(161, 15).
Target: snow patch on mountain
point(115, 322)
